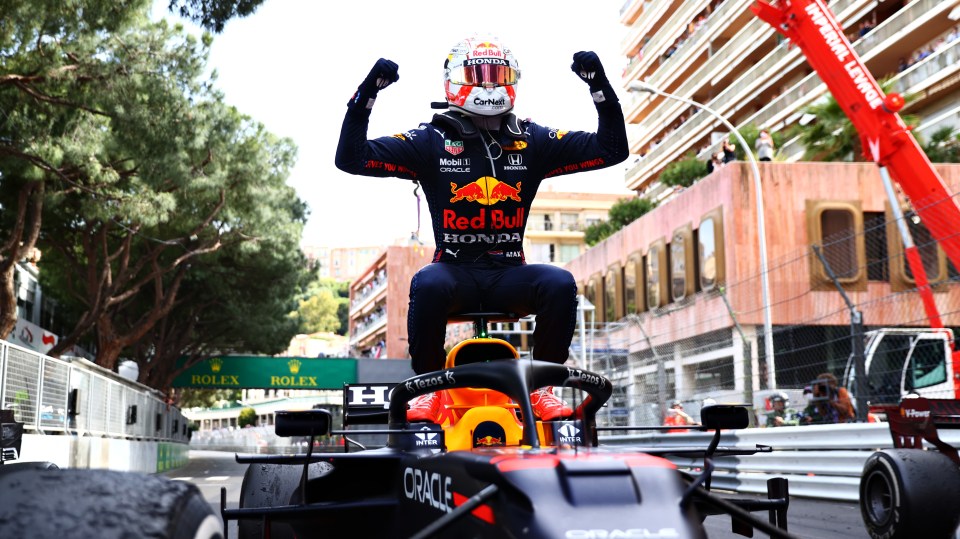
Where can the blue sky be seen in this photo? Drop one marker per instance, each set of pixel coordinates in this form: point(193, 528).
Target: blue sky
point(294, 64)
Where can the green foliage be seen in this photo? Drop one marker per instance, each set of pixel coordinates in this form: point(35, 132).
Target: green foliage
point(684, 172)
point(622, 213)
point(247, 417)
point(318, 313)
point(832, 136)
point(324, 306)
point(206, 398)
point(213, 14)
point(944, 146)
point(172, 205)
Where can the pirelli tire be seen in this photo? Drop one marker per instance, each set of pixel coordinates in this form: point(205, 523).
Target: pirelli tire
point(103, 504)
point(272, 485)
point(910, 493)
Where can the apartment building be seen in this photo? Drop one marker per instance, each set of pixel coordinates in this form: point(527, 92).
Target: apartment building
point(341, 263)
point(716, 52)
point(378, 303)
point(683, 286)
point(555, 228)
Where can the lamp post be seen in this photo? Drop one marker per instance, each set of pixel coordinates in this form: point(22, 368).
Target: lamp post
point(641, 86)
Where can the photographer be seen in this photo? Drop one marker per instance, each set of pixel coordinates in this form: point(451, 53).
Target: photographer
point(829, 403)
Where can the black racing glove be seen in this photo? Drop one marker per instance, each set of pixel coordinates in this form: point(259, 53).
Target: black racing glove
point(383, 74)
point(586, 64)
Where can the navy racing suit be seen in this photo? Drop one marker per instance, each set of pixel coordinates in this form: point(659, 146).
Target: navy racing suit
point(479, 186)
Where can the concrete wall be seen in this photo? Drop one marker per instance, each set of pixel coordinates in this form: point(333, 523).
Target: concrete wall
point(103, 453)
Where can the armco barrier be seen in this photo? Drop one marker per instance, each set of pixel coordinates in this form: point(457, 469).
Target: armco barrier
point(100, 419)
point(820, 461)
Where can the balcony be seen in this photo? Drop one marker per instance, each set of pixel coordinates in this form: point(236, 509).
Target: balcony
point(369, 292)
point(654, 49)
point(369, 325)
point(750, 83)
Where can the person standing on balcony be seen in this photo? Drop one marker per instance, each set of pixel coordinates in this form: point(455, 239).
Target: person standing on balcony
point(765, 146)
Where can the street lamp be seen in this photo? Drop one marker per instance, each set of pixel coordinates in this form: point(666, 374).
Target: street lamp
point(641, 86)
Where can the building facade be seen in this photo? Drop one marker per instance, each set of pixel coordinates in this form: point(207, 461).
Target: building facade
point(341, 263)
point(716, 52)
point(379, 300)
point(555, 228)
point(680, 290)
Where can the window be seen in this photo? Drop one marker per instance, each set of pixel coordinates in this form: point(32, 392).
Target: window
point(656, 272)
point(838, 242)
point(552, 256)
point(712, 376)
point(928, 365)
point(538, 252)
point(875, 240)
point(613, 294)
point(837, 228)
point(537, 221)
point(710, 259)
point(547, 223)
point(568, 253)
point(569, 221)
point(633, 284)
point(931, 255)
point(926, 245)
point(681, 263)
point(594, 294)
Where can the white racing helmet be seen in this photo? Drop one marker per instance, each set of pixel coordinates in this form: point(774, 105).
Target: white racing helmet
point(479, 77)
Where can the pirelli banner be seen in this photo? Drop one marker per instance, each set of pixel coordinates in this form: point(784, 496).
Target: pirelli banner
point(264, 372)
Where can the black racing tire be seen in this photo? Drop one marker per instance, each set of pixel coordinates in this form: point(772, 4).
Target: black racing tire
point(103, 504)
point(12, 467)
point(271, 485)
point(909, 493)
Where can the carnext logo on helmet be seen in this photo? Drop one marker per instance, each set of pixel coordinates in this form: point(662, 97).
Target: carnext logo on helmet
point(491, 102)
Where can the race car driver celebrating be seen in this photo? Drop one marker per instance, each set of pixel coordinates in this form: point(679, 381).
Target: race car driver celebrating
point(480, 167)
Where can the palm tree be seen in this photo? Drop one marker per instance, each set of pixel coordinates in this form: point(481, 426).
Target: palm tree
point(832, 136)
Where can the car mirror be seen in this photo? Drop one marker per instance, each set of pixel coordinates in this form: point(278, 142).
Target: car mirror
point(724, 416)
point(314, 422)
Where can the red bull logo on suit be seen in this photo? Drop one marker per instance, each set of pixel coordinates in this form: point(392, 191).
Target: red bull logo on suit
point(486, 191)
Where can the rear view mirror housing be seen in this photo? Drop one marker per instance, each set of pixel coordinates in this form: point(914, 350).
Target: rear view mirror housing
point(724, 416)
point(316, 422)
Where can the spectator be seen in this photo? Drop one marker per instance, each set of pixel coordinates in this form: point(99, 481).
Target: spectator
point(781, 415)
point(902, 64)
point(729, 151)
point(676, 417)
point(765, 146)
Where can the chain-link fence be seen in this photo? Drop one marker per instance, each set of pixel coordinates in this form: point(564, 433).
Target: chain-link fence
point(77, 397)
point(854, 294)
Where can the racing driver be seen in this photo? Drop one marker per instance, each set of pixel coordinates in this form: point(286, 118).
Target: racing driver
point(480, 167)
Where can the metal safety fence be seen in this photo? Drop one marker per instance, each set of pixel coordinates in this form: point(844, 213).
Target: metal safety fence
point(75, 396)
point(820, 461)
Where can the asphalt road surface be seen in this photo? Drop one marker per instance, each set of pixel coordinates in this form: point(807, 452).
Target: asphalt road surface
point(807, 518)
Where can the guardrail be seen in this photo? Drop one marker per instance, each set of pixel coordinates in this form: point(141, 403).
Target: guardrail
point(820, 461)
point(75, 396)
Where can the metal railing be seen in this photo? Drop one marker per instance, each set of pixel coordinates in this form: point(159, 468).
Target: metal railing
point(820, 461)
point(75, 396)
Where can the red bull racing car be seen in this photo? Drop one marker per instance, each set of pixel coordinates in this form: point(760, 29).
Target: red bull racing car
point(493, 470)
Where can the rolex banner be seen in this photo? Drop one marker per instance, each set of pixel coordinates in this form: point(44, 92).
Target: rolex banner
point(265, 372)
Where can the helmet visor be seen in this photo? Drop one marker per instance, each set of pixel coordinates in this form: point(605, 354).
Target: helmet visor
point(481, 71)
